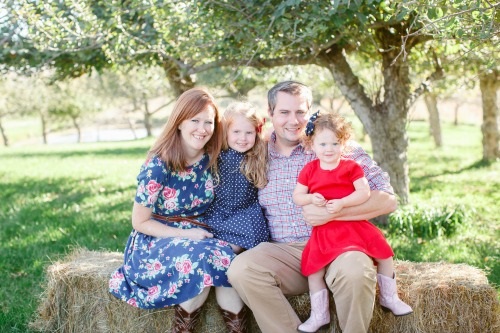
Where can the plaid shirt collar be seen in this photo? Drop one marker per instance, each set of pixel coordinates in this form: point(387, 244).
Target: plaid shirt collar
point(274, 153)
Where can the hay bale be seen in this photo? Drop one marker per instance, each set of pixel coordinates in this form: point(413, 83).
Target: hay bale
point(445, 298)
point(77, 300)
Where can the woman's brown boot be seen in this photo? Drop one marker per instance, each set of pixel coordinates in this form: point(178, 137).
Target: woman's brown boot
point(236, 323)
point(185, 322)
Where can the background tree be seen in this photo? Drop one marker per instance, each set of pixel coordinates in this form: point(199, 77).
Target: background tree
point(6, 108)
point(78, 37)
point(325, 33)
point(135, 91)
point(73, 101)
point(489, 87)
point(470, 29)
point(193, 36)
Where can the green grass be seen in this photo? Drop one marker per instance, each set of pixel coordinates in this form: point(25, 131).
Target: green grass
point(454, 176)
point(55, 198)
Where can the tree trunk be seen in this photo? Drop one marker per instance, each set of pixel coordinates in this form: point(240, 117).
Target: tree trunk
point(44, 127)
point(4, 135)
point(78, 130)
point(435, 124)
point(179, 80)
point(385, 122)
point(147, 116)
point(147, 124)
point(131, 125)
point(455, 120)
point(390, 146)
point(488, 84)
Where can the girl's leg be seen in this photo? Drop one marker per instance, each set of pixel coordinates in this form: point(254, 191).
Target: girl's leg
point(385, 267)
point(320, 306)
point(389, 299)
point(317, 281)
point(187, 314)
point(234, 311)
point(236, 249)
point(195, 302)
point(228, 299)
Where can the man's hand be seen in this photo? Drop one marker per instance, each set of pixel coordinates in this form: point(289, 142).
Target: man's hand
point(380, 203)
point(315, 215)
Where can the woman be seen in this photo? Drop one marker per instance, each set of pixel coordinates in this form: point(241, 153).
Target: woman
point(171, 257)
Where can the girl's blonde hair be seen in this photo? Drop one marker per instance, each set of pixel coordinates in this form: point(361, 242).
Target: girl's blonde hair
point(168, 145)
point(334, 122)
point(254, 164)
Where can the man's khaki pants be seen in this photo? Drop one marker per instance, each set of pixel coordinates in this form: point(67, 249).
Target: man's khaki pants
point(264, 275)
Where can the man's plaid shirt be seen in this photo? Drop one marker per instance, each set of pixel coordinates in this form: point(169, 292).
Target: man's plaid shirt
point(285, 219)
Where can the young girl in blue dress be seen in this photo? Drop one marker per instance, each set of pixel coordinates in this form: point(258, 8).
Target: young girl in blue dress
point(171, 257)
point(235, 214)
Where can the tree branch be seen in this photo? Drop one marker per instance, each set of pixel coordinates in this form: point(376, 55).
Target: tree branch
point(426, 84)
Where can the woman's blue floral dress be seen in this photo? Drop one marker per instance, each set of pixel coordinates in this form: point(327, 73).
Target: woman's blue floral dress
point(160, 272)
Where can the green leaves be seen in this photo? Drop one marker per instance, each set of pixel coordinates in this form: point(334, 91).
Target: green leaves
point(434, 13)
point(428, 222)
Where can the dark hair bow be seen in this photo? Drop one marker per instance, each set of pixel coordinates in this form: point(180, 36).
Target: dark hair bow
point(310, 124)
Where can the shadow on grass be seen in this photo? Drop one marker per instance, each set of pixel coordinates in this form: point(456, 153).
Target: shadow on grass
point(41, 221)
point(423, 182)
point(139, 149)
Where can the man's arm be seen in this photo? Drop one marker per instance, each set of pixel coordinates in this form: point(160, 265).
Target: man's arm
point(379, 203)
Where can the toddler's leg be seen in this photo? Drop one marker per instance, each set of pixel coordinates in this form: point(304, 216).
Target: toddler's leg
point(316, 281)
point(385, 267)
point(320, 306)
point(389, 299)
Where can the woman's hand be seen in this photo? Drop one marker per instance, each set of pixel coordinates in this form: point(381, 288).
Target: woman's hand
point(195, 233)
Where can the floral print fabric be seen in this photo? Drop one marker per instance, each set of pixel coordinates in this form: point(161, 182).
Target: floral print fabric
point(160, 272)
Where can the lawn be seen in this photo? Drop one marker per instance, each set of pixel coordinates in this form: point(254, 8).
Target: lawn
point(55, 198)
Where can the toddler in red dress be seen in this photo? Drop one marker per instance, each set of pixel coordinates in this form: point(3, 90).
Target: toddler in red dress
point(335, 182)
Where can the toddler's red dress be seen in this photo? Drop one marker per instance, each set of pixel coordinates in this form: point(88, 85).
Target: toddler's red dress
point(331, 239)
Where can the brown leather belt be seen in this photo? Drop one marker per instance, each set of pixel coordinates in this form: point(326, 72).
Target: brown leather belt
point(180, 219)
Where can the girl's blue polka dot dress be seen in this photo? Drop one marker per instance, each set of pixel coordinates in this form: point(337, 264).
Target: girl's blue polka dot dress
point(235, 214)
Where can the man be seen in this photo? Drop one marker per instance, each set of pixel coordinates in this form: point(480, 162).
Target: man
point(264, 275)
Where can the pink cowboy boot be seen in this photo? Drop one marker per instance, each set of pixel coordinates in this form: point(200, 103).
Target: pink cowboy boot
point(389, 299)
point(320, 312)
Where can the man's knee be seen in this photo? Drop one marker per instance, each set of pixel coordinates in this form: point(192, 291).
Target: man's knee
point(353, 268)
point(240, 267)
point(236, 269)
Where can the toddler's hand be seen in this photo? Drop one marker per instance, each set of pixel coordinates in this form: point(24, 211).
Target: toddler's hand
point(334, 206)
point(318, 199)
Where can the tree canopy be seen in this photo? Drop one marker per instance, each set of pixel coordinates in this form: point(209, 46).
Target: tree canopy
point(189, 37)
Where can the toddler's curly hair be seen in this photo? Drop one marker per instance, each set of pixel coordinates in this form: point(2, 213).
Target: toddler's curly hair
point(334, 122)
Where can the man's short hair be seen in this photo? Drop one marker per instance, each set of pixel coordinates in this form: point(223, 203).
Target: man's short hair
point(290, 87)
